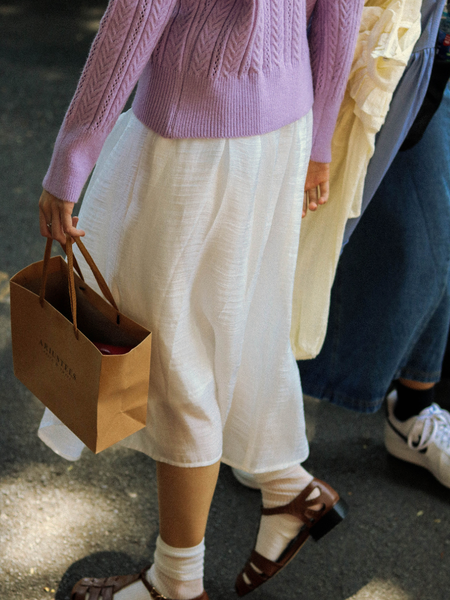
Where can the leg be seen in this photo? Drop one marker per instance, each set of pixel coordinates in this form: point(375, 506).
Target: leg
point(416, 385)
point(417, 430)
point(412, 397)
point(185, 496)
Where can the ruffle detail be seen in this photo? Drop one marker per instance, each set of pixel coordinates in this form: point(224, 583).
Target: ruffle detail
point(388, 32)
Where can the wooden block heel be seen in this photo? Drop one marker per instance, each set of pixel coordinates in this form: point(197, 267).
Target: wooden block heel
point(330, 520)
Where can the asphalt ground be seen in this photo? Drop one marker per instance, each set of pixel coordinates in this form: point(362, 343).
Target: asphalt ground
point(60, 521)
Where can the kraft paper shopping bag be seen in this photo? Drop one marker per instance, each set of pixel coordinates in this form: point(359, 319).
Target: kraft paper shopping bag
point(58, 325)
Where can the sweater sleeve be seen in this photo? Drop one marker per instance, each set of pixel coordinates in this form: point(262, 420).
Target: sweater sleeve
point(127, 35)
point(334, 30)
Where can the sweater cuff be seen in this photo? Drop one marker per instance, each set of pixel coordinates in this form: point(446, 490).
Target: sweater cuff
point(73, 159)
point(321, 154)
point(321, 144)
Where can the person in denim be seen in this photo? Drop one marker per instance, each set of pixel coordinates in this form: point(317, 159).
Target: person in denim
point(390, 307)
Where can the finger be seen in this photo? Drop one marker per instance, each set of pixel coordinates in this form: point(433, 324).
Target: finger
point(75, 232)
point(68, 222)
point(56, 229)
point(305, 204)
point(44, 223)
point(313, 199)
point(324, 192)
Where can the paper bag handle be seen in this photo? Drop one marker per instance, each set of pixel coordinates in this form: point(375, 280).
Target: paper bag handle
point(72, 263)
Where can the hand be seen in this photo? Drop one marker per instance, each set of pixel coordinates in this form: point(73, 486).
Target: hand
point(317, 186)
point(55, 218)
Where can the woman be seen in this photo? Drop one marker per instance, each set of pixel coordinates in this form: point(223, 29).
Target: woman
point(392, 323)
point(390, 306)
point(193, 215)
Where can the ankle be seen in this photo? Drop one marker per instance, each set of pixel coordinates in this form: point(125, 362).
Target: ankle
point(177, 573)
point(411, 402)
point(278, 488)
point(275, 533)
point(416, 385)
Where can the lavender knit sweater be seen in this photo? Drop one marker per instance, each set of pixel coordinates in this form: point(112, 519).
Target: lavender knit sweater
point(207, 69)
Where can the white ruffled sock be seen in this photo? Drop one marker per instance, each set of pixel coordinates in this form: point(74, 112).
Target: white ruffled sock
point(279, 488)
point(176, 573)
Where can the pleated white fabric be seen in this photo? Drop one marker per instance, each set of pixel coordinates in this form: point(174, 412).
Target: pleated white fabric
point(198, 240)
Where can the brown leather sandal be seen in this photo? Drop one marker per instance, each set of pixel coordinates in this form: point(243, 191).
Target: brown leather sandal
point(317, 522)
point(106, 587)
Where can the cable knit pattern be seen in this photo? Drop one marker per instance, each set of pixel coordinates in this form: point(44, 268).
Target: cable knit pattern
point(207, 69)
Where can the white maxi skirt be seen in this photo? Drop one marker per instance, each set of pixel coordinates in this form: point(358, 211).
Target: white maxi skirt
point(198, 240)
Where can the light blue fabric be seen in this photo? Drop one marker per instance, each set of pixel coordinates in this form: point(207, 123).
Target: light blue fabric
point(405, 104)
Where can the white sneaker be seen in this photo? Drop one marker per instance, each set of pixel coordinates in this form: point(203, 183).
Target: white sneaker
point(423, 440)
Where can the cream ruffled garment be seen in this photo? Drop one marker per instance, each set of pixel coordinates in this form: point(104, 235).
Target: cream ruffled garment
point(388, 32)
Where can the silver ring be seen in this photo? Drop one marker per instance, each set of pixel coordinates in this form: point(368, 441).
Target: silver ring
point(49, 225)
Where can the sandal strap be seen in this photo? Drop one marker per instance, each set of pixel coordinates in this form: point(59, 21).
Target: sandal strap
point(267, 567)
point(301, 506)
point(153, 591)
point(157, 596)
point(104, 586)
point(265, 570)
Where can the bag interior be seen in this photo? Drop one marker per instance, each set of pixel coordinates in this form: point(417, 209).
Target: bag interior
point(95, 324)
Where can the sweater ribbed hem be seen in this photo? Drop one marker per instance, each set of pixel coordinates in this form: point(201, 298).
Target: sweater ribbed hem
point(177, 105)
point(182, 106)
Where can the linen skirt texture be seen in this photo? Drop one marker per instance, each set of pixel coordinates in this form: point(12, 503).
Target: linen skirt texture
point(198, 241)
